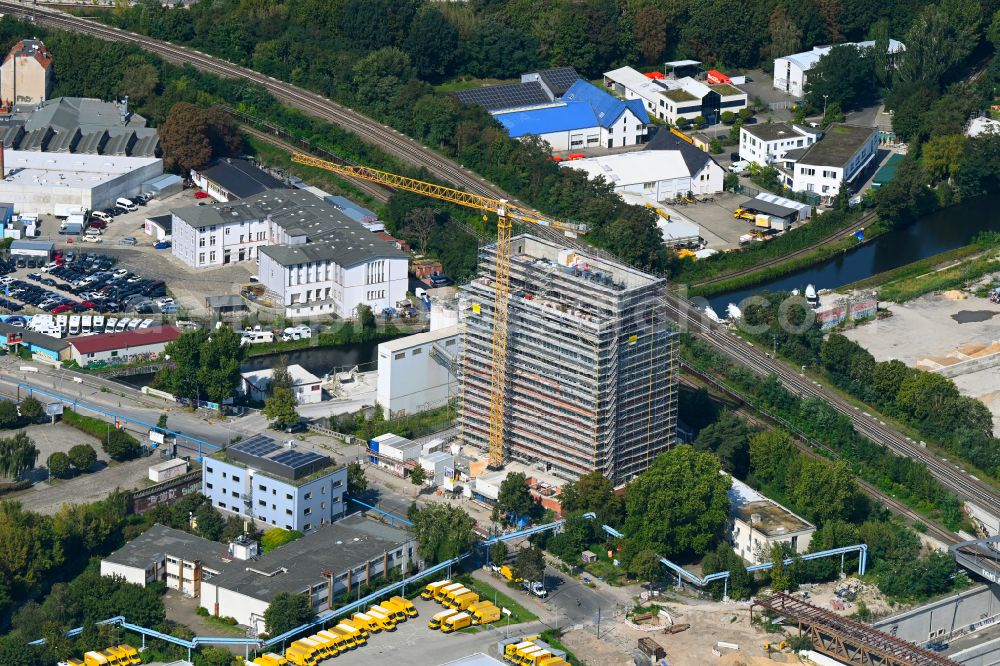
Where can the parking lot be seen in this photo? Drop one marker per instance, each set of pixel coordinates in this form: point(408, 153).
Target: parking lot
point(715, 219)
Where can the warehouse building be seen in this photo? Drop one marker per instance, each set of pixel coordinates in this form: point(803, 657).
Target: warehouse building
point(841, 157)
point(37, 343)
point(41, 182)
point(126, 347)
point(332, 561)
point(534, 89)
point(276, 485)
point(231, 179)
point(673, 99)
point(419, 372)
point(26, 74)
point(758, 523)
point(591, 375)
point(791, 72)
point(306, 387)
point(665, 169)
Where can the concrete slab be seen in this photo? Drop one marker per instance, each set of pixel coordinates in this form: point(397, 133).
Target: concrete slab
point(715, 219)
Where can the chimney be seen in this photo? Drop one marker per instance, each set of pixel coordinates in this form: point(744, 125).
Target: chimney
point(123, 109)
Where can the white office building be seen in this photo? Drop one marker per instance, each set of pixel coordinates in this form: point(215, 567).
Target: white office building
point(418, 372)
point(672, 99)
point(306, 387)
point(766, 144)
point(791, 72)
point(758, 523)
point(844, 153)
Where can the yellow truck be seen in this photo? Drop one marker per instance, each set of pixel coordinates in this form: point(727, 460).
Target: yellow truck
point(525, 656)
point(270, 659)
point(535, 658)
point(456, 622)
point(511, 650)
point(484, 612)
point(337, 642)
point(367, 621)
point(439, 594)
point(440, 617)
point(325, 646)
point(449, 599)
point(71, 662)
point(398, 610)
point(553, 661)
point(121, 655)
point(360, 627)
point(408, 607)
point(301, 653)
point(431, 588)
point(94, 658)
point(353, 633)
point(131, 653)
point(393, 614)
point(508, 574)
point(464, 601)
point(744, 214)
point(387, 622)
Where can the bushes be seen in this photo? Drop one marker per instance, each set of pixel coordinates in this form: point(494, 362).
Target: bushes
point(277, 537)
point(83, 456)
point(118, 444)
point(59, 465)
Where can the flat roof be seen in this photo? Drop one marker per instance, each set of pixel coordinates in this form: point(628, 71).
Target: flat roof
point(774, 131)
point(839, 144)
point(420, 338)
point(338, 547)
point(137, 338)
point(299, 375)
point(34, 338)
point(61, 170)
point(770, 208)
point(682, 63)
point(240, 178)
point(161, 540)
point(725, 89)
point(526, 248)
point(266, 454)
point(763, 514)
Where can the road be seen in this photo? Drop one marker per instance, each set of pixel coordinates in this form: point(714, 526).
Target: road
point(950, 475)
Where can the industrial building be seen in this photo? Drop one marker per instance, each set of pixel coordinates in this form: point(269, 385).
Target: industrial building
point(591, 374)
point(40, 182)
point(306, 387)
point(126, 347)
point(672, 99)
point(758, 523)
point(839, 158)
point(26, 74)
point(665, 169)
point(330, 562)
point(231, 179)
point(275, 484)
point(768, 143)
point(791, 72)
point(534, 89)
point(419, 372)
point(313, 259)
point(37, 343)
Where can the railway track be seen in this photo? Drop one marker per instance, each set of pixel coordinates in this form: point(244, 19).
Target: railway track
point(961, 483)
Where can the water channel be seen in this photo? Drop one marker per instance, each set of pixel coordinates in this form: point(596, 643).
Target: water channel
point(945, 230)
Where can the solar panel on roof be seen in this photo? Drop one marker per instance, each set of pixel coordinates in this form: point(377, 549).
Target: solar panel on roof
point(258, 445)
point(559, 79)
point(296, 459)
point(505, 97)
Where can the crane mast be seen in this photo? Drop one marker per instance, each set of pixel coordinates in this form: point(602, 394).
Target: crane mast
point(505, 213)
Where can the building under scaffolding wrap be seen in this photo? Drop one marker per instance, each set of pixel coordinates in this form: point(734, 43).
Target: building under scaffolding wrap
point(591, 372)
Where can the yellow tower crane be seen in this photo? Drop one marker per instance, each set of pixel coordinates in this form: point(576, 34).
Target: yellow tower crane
point(506, 213)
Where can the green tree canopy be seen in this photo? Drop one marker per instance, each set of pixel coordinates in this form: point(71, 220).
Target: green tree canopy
point(530, 564)
point(679, 506)
point(120, 445)
point(18, 454)
point(514, 496)
point(593, 492)
point(356, 481)
point(728, 439)
point(443, 532)
point(83, 457)
point(31, 408)
point(498, 553)
point(845, 75)
point(282, 408)
point(210, 522)
point(59, 465)
point(418, 476)
point(287, 611)
point(8, 414)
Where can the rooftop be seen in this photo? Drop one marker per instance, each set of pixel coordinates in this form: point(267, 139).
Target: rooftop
point(695, 158)
point(762, 514)
point(838, 145)
point(34, 339)
point(557, 79)
point(240, 178)
point(338, 547)
point(111, 341)
point(299, 375)
point(506, 96)
point(426, 337)
point(32, 48)
point(778, 131)
point(725, 89)
point(623, 169)
point(607, 107)
point(526, 248)
point(679, 95)
point(52, 170)
point(160, 540)
point(557, 117)
point(286, 462)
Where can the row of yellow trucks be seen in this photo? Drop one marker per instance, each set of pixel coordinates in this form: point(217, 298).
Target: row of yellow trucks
point(529, 651)
point(347, 634)
point(463, 607)
point(119, 655)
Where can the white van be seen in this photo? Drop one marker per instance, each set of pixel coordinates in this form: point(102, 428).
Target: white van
point(102, 216)
point(739, 167)
point(74, 325)
point(86, 321)
point(256, 337)
point(127, 204)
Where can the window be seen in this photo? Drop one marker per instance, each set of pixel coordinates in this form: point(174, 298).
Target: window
point(307, 511)
point(210, 470)
point(417, 351)
point(262, 503)
point(225, 475)
point(338, 483)
point(308, 496)
point(322, 505)
point(236, 478)
point(222, 505)
point(288, 496)
point(400, 356)
point(201, 257)
point(211, 256)
point(234, 494)
point(211, 240)
point(808, 172)
point(201, 242)
point(227, 229)
point(307, 527)
point(241, 238)
point(288, 527)
point(208, 485)
point(260, 486)
point(288, 512)
point(449, 343)
point(323, 490)
point(274, 508)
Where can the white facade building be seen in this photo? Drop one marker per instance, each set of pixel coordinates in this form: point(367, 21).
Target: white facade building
point(313, 258)
point(765, 144)
point(417, 372)
point(39, 182)
point(672, 99)
point(757, 523)
point(791, 72)
point(306, 386)
point(840, 157)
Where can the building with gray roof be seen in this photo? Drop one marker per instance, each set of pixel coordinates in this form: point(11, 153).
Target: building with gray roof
point(313, 258)
point(232, 179)
point(840, 158)
point(332, 561)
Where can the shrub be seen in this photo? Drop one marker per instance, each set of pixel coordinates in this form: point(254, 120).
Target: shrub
point(728, 117)
point(59, 465)
point(83, 456)
point(683, 123)
point(121, 446)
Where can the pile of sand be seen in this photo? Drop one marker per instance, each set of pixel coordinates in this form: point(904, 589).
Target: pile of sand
point(955, 294)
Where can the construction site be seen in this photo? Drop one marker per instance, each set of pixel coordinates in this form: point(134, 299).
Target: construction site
point(591, 370)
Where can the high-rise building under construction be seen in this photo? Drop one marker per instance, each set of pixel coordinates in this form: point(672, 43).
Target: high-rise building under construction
point(591, 372)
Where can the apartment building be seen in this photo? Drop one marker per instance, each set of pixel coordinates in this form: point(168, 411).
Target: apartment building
point(26, 73)
point(673, 99)
point(313, 258)
point(843, 155)
point(768, 143)
point(591, 374)
point(276, 485)
point(757, 523)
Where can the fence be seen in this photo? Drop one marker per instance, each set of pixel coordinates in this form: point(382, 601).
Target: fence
point(168, 492)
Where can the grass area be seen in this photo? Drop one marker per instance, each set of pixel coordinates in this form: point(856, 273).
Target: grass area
point(916, 268)
point(604, 567)
point(552, 636)
point(518, 613)
point(924, 277)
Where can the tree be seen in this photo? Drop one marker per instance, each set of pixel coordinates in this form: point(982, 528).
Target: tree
point(786, 37)
point(139, 79)
point(280, 377)
point(780, 580)
point(281, 407)
point(443, 532)
point(356, 481)
point(593, 492)
point(993, 32)
point(941, 156)
point(220, 359)
point(501, 51)
point(365, 317)
point(83, 456)
point(287, 611)
point(770, 454)
point(277, 537)
point(683, 123)
point(8, 414)
point(210, 522)
point(530, 564)
point(728, 439)
point(825, 490)
point(932, 48)
point(59, 465)
point(184, 138)
point(514, 497)
point(31, 408)
point(844, 75)
point(161, 422)
point(679, 506)
point(651, 32)
point(432, 44)
point(421, 223)
point(418, 476)
point(728, 117)
point(498, 553)
point(18, 454)
point(646, 566)
point(880, 53)
point(380, 76)
point(121, 446)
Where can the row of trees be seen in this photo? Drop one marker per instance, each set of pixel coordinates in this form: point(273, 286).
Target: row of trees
point(206, 365)
point(79, 459)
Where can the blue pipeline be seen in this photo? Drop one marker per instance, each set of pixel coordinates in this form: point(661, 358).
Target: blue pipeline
point(392, 517)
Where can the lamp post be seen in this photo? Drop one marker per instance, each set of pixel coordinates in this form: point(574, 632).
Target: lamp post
point(824, 105)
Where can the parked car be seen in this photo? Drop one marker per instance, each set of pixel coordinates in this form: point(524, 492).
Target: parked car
point(128, 240)
point(200, 195)
point(162, 245)
point(91, 238)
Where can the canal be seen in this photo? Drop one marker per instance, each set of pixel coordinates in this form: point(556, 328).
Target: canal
point(945, 230)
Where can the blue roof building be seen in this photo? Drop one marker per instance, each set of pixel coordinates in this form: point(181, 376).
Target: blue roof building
point(586, 117)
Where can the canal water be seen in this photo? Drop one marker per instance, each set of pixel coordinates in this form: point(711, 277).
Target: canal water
point(945, 230)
